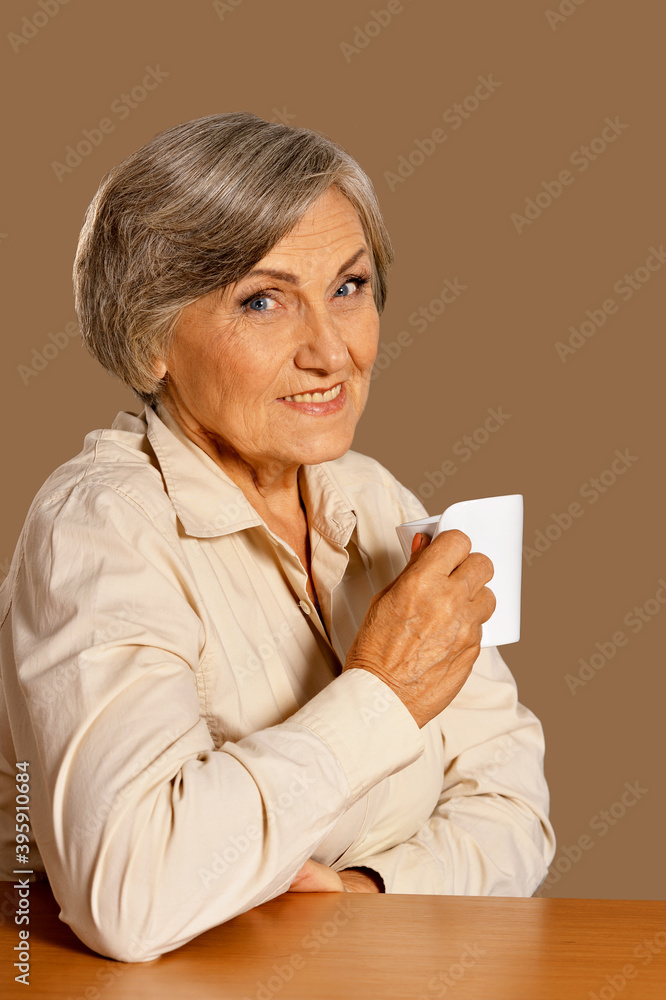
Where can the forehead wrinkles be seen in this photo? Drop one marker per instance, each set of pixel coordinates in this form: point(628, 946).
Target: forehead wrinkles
point(337, 241)
point(325, 230)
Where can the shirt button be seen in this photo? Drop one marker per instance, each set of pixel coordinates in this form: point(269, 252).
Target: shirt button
point(304, 607)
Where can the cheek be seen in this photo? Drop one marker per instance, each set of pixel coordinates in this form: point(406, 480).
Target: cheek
point(367, 342)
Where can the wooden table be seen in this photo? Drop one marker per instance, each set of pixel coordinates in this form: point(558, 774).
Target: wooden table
point(343, 945)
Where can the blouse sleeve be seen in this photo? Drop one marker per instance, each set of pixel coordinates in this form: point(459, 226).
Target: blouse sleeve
point(150, 834)
point(489, 834)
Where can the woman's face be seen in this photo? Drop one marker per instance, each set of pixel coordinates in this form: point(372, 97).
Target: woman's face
point(302, 321)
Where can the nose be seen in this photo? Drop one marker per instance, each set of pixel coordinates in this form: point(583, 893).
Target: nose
point(320, 344)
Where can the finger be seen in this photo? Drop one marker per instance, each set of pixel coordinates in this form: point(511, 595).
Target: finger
point(487, 603)
point(446, 551)
point(477, 570)
point(419, 541)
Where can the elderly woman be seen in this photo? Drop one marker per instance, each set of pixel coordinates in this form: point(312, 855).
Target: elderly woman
point(220, 677)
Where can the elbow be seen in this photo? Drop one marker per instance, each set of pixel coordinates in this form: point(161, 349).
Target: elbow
point(134, 921)
point(121, 923)
point(120, 941)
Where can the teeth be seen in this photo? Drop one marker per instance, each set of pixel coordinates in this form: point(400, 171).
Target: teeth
point(315, 397)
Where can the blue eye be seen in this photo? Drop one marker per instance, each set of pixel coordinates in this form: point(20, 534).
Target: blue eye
point(260, 301)
point(259, 298)
point(357, 280)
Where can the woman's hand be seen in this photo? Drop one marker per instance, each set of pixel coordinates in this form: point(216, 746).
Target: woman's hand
point(315, 877)
point(422, 632)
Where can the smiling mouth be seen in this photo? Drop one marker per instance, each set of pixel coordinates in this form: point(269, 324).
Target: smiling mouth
point(322, 396)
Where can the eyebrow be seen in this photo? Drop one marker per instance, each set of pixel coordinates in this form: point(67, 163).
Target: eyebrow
point(293, 279)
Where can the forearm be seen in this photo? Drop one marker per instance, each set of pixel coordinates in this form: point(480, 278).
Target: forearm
point(142, 864)
point(489, 833)
point(474, 848)
point(149, 831)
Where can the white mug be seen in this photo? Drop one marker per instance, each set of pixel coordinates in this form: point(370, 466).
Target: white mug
point(495, 527)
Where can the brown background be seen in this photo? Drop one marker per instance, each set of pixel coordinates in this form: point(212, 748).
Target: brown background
point(493, 347)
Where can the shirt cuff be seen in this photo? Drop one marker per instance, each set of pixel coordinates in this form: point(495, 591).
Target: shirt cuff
point(407, 871)
point(366, 726)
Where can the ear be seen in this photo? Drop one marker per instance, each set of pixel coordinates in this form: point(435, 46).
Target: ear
point(159, 368)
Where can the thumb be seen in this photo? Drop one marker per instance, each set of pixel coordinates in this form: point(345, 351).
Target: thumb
point(419, 541)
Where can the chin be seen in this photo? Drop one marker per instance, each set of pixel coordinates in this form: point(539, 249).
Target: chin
point(325, 451)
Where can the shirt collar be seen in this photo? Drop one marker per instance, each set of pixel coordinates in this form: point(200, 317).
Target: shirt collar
point(209, 504)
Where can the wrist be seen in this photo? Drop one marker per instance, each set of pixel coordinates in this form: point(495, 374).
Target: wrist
point(370, 874)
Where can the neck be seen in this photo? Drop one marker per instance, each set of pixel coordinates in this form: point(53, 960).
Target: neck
point(271, 487)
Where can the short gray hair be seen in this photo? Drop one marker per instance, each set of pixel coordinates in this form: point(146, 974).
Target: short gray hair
point(191, 212)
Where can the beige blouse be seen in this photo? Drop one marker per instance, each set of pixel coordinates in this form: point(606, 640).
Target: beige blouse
point(189, 737)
